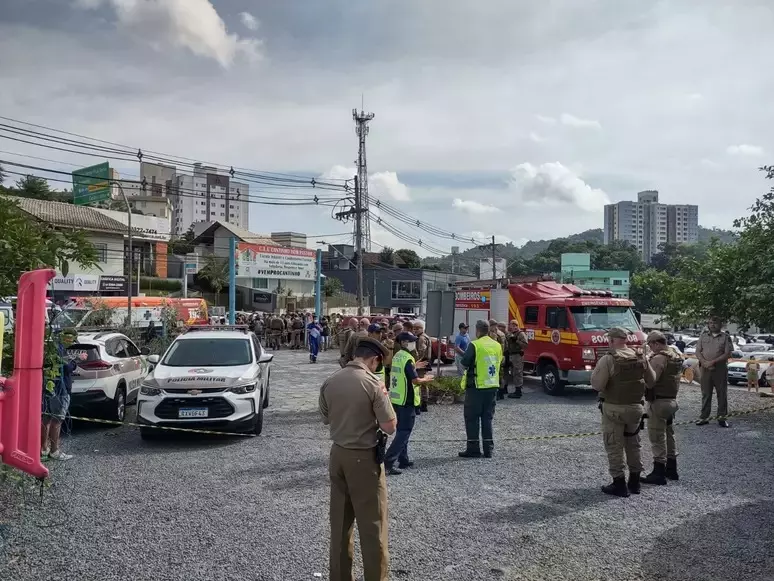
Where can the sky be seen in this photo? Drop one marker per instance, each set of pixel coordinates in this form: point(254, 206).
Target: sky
point(511, 118)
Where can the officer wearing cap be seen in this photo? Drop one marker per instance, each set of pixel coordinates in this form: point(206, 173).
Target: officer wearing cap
point(375, 333)
point(406, 397)
point(667, 365)
point(354, 338)
point(354, 402)
point(620, 377)
point(481, 381)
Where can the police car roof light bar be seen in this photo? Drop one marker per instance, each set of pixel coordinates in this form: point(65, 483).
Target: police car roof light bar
point(243, 328)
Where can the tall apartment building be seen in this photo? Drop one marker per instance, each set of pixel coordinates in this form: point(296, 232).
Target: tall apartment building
point(648, 224)
point(206, 196)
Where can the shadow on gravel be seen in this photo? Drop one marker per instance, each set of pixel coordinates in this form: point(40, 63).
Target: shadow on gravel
point(736, 543)
point(570, 396)
point(270, 469)
point(290, 418)
point(168, 443)
point(315, 479)
point(555, 504)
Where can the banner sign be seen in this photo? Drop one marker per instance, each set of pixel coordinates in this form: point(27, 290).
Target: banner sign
point(263, 261)
point(472, 299)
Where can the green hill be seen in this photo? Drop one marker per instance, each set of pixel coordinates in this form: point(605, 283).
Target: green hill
point(467, 261)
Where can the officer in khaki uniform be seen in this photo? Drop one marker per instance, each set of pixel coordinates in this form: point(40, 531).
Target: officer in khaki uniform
point(667, 365)
point(620, 377)
point(713, 351)
point(424, 354)
point(516, 343)
point(349, 349)
point(343, 337)
point(354, 402)
point(497, 335)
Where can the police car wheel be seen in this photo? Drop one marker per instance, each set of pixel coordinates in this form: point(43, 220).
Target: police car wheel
point(265, 403)
point(552, 383)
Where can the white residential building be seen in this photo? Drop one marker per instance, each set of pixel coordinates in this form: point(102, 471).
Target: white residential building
point(648, 224)
point(208, 196)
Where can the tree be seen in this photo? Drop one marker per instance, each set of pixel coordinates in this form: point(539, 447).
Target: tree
point(184, 244)
point(387, 255)
point(215, 272)
point(2, 175)
point(651, 291)
point(27, 244)
point(409, 257)
point(33, 187)
point(332, 287)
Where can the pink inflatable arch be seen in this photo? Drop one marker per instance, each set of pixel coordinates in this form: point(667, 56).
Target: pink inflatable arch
point(21, 394)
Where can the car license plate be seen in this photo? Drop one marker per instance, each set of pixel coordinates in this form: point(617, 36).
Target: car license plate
point(193, 413)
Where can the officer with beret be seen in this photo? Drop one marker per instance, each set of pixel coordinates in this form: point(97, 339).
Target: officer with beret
point(354, 402)
point(406, 397)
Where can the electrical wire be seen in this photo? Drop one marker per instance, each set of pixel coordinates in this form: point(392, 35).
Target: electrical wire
point(136, 154)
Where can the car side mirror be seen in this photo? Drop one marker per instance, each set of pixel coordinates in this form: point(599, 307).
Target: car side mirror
point(266, 358)
point(144, 351)
point(153, 359)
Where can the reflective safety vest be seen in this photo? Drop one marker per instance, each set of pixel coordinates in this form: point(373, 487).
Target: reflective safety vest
point(380, 374)
point(489, 356)
point(399, 381)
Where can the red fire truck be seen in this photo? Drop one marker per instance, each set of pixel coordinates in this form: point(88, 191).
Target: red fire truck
point(566, 326)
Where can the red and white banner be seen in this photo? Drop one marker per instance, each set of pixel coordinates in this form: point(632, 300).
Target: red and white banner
point(263, 261)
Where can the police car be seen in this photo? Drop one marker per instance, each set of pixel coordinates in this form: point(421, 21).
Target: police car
point(109, 373)
point(211, 377)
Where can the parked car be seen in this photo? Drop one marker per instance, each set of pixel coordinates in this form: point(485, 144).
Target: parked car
point(447, 349)
point(109, 376)
point(211, 377)
point(737, 370)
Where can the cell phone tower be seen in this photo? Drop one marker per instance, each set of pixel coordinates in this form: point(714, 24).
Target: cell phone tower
point(361, 119)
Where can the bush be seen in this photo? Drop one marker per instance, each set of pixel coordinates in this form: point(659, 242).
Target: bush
point(445, 386)
point(161, 284)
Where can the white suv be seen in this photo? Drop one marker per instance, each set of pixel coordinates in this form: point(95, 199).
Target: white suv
point(110, 374)
point(214, 378)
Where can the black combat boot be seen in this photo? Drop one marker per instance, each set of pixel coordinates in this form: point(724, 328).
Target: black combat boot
point(516, 393)
point(500, 394)
point(657, 476)
point(488, 451)
point(473, 450)
point(634, 482)
point(671, 469)
point(423, 406)
point(617, 487)
point(392, 471)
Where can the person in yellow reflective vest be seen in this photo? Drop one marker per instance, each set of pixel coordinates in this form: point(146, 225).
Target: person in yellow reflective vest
point(406, 398)
point(481, 381)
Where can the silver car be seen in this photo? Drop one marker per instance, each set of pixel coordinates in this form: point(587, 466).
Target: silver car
point(214, 378)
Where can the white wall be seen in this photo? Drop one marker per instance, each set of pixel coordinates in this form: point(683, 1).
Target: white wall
point(113, 245)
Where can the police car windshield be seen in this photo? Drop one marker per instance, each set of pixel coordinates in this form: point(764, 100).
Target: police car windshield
point(212, 352)
point(603, 318)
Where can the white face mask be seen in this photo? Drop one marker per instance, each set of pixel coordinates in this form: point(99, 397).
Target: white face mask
point(411, 346)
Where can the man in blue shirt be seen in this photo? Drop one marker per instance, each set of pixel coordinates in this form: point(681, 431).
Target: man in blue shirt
point(461, 342)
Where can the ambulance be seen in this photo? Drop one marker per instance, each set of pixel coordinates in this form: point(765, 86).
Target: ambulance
point(566, 325)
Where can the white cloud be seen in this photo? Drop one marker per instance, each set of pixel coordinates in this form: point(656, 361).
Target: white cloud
point(191, 24)
point(473, 207)
point(383, 184)
point(555, 184)
point(745, 149)
point(545, 119)
point(537, 138)
point(572, 121)
point(709, 164)
point(249, 21)
point(499, 238)
point(694, 97)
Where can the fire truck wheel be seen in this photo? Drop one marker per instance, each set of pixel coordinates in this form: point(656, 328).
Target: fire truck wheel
point(552, 383)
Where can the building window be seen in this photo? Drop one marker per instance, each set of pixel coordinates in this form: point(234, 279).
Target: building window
point(617, 282)
point(406, 289)
point(101, 252)
point(262, 283)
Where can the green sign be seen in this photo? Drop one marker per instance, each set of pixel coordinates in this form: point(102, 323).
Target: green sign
point(91, 184)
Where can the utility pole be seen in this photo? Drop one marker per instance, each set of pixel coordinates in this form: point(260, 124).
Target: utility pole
point(359, 243)
point(357, 212)
point(493, 246)
point(131, 256)
point(361, 129)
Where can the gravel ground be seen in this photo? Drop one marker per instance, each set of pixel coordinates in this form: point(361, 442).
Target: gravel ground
point(201, 508)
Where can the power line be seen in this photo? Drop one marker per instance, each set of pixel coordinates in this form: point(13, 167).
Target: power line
point(174, 158)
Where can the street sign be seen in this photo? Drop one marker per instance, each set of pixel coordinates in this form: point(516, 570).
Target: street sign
point(91, 184)
point(190, 268)
point(440, 313)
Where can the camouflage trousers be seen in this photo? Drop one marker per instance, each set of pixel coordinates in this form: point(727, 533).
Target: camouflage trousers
point(661, 434)
point(621, 435)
